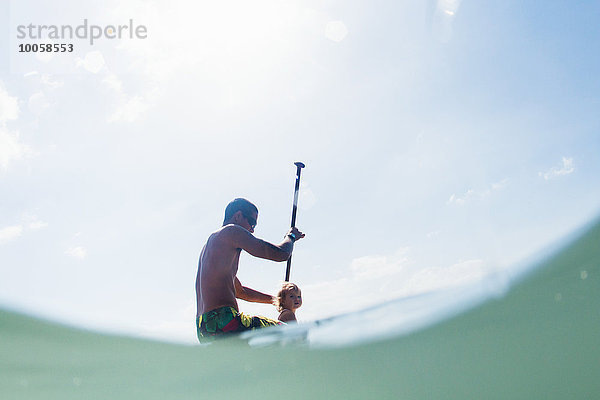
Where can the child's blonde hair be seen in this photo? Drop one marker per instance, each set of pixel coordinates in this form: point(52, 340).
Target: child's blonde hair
point(286, 287)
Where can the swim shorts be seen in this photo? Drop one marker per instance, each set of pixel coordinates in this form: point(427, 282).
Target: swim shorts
point(226, 320)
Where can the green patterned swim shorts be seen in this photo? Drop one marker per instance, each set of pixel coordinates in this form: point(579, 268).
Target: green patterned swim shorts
point(226, 320)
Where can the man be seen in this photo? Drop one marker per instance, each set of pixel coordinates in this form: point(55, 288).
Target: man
point(217, 286)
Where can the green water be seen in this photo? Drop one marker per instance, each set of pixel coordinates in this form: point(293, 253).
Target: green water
point(540, 341)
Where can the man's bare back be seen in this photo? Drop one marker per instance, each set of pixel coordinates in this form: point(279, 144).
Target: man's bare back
point(216, 272)
point(216, 282)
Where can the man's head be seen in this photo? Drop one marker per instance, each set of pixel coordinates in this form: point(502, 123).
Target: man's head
point(241, 212)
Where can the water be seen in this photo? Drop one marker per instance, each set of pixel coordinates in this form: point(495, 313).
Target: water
point(537, 338)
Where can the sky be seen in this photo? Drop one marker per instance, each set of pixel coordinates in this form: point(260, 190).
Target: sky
point(443, 141)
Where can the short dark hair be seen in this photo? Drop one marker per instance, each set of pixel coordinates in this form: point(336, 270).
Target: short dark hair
point(236, 205)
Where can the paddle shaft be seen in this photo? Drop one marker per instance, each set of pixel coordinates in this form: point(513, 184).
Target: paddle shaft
point(299, 167)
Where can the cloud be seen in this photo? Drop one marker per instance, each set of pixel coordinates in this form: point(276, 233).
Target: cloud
point(33, 223)
point(472, 194)
point(499, 185)
point(38, 103)
point(374, 267)
point(37, 225)
point(443, 19)
point(434, 278)
point(336, 31)
point(76, 252)
point(11, 148)
point(360, 287)
point(113, 82)
point(9, 105)
point(130, 110)
point(454, 199)
point(433, 234)
point(374, 279)
point(47, 80)
point(565, 169)
point(92, 62)
point(10, 232)
point(130, 107)
point(30, 223)
point(306, 197)
point(448, 7)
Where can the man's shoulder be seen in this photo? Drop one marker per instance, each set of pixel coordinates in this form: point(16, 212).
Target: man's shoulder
point(231, 236)
point(227, 232)
point(230, 229)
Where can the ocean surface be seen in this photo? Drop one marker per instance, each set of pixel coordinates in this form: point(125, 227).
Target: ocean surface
point(534, 335)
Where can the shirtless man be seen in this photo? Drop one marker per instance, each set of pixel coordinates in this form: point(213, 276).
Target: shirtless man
point(217, 286)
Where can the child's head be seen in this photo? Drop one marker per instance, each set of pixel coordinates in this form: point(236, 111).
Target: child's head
point(289, 297)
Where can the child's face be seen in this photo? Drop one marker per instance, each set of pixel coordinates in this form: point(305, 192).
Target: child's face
point(292, 300)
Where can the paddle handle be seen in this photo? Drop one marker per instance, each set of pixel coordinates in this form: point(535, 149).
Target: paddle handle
point(299, 167)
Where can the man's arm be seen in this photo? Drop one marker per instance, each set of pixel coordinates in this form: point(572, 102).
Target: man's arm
point(245, 293)
point(243, 239)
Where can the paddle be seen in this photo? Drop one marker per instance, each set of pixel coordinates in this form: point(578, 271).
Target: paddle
point(299, 167)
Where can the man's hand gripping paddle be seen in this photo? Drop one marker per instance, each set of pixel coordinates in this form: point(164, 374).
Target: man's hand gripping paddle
point(299, 167)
